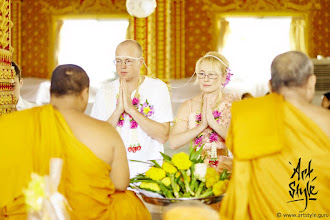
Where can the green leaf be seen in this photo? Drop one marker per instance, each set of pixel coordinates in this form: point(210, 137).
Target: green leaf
point(191, 150)
point(195, 154)
point(224, 175)
point(186, 195)
point(140, 177)
point(186, 183)
point(200, 159)
point(146, 180)
point(147, 162)
point(166, 157)
point(156, 164)
point(167, 193)
point(200, 189)
point(207, 193)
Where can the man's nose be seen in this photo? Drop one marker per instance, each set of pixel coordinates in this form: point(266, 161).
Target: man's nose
point(123, 65)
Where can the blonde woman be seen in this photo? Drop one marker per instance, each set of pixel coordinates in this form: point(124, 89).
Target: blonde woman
point(205, 119)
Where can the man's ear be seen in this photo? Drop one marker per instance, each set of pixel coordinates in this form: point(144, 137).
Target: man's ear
point(85, 94)
point(270, 86)
point(311, 82)
point(141, 61)
point(21, 83)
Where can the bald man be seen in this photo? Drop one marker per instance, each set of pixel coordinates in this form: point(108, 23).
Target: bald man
point(281, 146)
point(138, 106)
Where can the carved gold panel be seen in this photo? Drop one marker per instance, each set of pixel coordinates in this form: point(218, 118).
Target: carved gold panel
point(7, 73)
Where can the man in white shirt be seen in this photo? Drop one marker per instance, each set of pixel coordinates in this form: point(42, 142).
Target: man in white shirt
point(21, 103)
point(138, 106)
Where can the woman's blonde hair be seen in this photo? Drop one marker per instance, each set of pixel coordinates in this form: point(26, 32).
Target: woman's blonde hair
point(219, 65)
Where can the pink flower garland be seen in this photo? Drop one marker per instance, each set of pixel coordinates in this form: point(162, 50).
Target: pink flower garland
point(229, 75)
point(214, 137)
point(146, 109)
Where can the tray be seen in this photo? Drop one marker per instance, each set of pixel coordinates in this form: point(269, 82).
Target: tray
point(167, 201)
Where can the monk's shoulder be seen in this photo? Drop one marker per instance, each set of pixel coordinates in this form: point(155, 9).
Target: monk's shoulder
point(103, 130)
point(89, 129)
point(321, 117)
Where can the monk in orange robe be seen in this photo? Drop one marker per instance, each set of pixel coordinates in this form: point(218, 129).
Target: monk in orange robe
point(281, 148)
point(95, 172)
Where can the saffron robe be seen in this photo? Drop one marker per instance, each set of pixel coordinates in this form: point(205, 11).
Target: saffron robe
point(29, 139)
point(268, 137)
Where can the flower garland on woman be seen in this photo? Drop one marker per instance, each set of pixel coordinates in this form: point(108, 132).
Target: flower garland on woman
point(205, 119)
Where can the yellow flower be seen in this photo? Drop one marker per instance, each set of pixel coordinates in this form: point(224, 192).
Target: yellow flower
point(181, 161)
point(151, 186)
point(146, 110)
point(219, 188)
point(177, 174)
point(188, 178)
point(155, 173)
point(226, 183)
point(166, 181)
point(35, 192)
point(211, 177)
point(169, 168)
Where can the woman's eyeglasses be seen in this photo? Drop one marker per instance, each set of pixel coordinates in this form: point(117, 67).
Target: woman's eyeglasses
point(202, 75)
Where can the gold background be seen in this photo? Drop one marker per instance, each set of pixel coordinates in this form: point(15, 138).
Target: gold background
point(7, 73)
point(173, 38)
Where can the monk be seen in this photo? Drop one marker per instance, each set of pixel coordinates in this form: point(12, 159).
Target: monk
point(95, 171)
point(281, 146)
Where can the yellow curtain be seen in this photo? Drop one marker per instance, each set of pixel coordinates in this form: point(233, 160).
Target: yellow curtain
point(297, 34)
point(57, 42)
point(130, 29)
point(223, 31)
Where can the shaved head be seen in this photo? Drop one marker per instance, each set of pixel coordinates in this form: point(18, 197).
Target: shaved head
point(129, 48)
point(68, 79)
point(290, 69)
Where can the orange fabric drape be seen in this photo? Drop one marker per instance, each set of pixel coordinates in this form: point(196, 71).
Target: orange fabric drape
point(29, 139)
point(268, 137)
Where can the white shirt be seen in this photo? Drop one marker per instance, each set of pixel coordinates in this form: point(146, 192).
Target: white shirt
point(157, 94)
point(23, 104)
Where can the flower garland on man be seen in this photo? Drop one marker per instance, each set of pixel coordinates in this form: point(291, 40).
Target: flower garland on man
point(138, 106)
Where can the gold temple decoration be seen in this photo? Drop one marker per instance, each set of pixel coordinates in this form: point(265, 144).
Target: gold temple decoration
point(153, 33)
point(141, 29)
point(259, 5)
point(16, 38)
point(173, 37)
point(178, 39)
point(201, 17)
point(7, 73)
point(41, 24)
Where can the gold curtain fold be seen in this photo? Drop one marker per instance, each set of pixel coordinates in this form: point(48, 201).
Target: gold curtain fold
point(297, 34)
point(130, 29)
point(57, 40)
point(222, 33)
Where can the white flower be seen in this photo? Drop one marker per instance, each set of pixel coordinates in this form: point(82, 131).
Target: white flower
point(188, 172)
point(200, 171)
